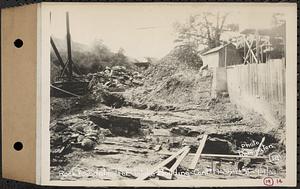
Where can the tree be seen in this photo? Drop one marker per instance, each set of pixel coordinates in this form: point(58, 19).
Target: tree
point(119, 58)
point(278, 19)
point(203, 30)
point(188, 55)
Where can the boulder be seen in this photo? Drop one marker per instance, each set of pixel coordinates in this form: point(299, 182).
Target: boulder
point(119, 125)
point(88, 144)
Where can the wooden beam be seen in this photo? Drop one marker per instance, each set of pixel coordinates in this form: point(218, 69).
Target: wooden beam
point(246, 57)
point(246, 61)
point(64, 91)
point(244, 49)
point(257, 39)
point(198, 153)
point(233, 156)
point(219, 155)
point(179, 160)
point(225, 56)
point(251, 51)
point(162, 164)
point(168, 173)
point(60, 61)
point(69, 48)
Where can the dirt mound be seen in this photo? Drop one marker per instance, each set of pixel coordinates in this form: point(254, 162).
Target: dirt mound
point(169, 82)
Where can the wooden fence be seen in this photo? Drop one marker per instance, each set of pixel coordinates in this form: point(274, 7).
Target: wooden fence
point(259, 84)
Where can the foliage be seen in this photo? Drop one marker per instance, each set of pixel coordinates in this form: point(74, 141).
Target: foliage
point(278, 19)
point(91, 60)
point(204, 30)
point(201, 32)
point(188, 55)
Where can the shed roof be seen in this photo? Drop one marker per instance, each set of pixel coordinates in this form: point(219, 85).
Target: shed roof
point(216, 49)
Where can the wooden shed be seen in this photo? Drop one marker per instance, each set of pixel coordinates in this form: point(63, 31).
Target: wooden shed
point(222, 56)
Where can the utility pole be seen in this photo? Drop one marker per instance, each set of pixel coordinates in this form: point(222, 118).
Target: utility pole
point(70, 61)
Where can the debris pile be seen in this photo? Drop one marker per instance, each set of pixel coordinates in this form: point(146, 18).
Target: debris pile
point(166, 121)
point(216, 154)
point(165, 86)
point(73, 132)
point(115, 79)
point(144, 138)
point(106, 88)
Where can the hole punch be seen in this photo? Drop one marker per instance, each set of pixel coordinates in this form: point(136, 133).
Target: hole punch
point(18, 146)
point(18, 43)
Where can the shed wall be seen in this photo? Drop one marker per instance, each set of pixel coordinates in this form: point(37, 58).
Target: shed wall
point(212, 60)
point(233, 57)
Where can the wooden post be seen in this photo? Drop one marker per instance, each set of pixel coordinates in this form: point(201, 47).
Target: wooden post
point(162, 164)
point(168, 174)
point(70, 62)
point(64, 91)
point(225, 56)
point(179, 160)
point(198, 153)
point(257, 46)
point(60, 61)
point(261, 53)
point(244, 50)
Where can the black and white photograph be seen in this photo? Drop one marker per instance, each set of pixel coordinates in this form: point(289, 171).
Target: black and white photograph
point(168, 92)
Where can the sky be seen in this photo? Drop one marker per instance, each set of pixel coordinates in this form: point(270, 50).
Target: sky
point(144, 30)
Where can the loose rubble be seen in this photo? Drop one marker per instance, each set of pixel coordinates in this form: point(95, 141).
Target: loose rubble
point(115, 79)
point(74, 132)
point(132, 122)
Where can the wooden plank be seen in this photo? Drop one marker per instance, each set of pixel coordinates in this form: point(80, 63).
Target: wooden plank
point(198, 153)
point(64, 91)
point(219, 155)
point(179, 160)
point(162, 164)
point(168, 173)
point(232, 156)
point(56, 52)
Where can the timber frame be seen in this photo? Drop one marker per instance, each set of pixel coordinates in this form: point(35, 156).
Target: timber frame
point(256, 49)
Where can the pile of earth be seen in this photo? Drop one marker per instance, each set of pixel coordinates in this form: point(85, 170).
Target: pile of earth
point(171, 83)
